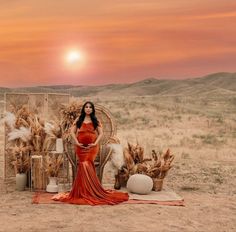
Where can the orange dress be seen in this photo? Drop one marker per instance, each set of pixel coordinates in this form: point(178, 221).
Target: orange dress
point(86, 187)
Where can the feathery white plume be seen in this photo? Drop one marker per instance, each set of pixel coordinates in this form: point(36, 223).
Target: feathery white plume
point(48, 127)
point(22, 133)
point(117, 157)
point(9, 119)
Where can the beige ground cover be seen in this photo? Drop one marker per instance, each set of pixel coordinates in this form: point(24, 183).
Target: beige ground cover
point(202, 136)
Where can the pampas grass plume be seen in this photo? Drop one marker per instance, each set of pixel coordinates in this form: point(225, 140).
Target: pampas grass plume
point(117, 157)
point(48, 128)
point(21, 133)
point(10, 120)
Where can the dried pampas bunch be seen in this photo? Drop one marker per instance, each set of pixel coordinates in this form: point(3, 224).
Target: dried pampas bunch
point(37, 133)
point(19, 136)
point(161, 164)
point(48, 128)
point(155, 167)
point(28, 135)
point(69, 114)
point(19, 157)
point(25, 126)
point(18, 118)
point(21, 133)
point(23, 116)
point(9, 120)
point(53, 129)
point(53, 163)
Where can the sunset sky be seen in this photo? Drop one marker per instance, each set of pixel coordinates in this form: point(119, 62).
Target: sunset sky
point(119, 41)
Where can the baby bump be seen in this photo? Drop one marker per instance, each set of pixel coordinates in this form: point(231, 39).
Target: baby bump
point(86, 138)
point(85, 154)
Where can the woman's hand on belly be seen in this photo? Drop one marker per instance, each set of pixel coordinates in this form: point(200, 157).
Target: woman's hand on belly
point(92, 145)
point(80, 145)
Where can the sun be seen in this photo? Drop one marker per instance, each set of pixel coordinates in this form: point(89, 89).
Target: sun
point(73, 57)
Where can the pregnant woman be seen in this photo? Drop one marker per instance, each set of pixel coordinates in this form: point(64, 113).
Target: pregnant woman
point(86, 188)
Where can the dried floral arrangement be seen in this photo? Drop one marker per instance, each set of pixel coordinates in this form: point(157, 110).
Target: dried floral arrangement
point(19, 157)
point(28, 135)
point(18, 146)
point(69, 114)
point(156, 167)
point(53, 163)
point(37, 137)
point(61, 129)
point(24, 126)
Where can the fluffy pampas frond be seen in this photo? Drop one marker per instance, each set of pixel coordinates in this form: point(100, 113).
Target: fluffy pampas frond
point(48, 128)
point(21, 133)
point(117, 157)
point(10, 120)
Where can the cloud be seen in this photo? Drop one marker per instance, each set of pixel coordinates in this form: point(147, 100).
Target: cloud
point(218, 15)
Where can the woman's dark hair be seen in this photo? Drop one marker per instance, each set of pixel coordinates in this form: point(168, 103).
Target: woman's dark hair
point(83, 114)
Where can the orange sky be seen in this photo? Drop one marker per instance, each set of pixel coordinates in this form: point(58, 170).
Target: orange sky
point(122, 40)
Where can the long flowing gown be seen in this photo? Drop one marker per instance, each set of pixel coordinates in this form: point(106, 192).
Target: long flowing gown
point(86, 187)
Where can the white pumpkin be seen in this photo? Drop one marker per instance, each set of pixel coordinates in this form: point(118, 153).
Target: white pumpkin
point(140, 184)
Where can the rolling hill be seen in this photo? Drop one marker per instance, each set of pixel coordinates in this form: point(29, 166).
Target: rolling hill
point(217, 83)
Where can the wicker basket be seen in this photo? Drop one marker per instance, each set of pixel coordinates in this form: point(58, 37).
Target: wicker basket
point(157, 184)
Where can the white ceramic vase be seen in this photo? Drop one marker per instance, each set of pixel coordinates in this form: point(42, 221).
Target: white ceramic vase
point(59, 145)
point(21, 180)
point(52, 187)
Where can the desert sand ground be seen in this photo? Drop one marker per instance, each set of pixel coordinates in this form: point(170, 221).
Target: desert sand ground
point(202, 136)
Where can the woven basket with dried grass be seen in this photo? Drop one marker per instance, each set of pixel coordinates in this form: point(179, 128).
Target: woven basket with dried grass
point(156, 167)
point(157, 184)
